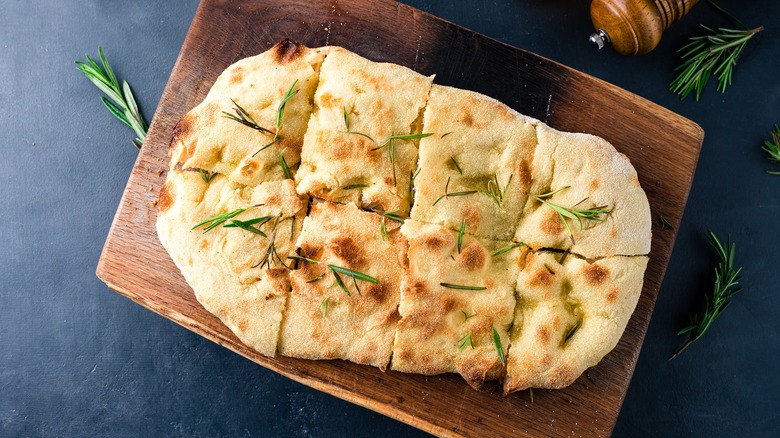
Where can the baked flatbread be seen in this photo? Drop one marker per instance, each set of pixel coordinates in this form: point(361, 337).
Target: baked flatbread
point(225, 265)
point(207, 138)
point(445, 329)
point(589, 173)
point(480, 147)
point(381, 101)
point(420, 306)
point(568, 317)
point(324, 322)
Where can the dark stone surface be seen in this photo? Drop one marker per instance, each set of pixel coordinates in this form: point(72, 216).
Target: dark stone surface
point(77, 359)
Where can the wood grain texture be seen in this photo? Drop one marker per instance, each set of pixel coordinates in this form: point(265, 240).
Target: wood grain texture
point(663, 146)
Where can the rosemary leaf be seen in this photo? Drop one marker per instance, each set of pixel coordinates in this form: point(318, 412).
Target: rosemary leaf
point(285, 168)
point(340, 282)
point(572, 330)
point(355, 186)
point(773, 149)
point(353, 274)
point(246, 119)
point(466, 316)
point(206, 176)
point(316, 279)
point(665, 224)
point(218, 220)
point(280, 111)
point(508, 248)
point(323, 307)
point(461, 287)
point(346, 123)
point(499, 348)
point(460, 233)
point(303, 259)
point(465, 341)
point(393, 215)
point(383, 230)
point(244, 226)
point(456, 165)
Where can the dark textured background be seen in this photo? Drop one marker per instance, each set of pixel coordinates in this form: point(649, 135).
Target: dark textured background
point(76, 359)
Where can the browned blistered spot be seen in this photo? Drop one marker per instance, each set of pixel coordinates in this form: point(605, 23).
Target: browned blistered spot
point(542, 277)
point(593, 184)
point(472, 257)
point(249, 168)
point(327, 100)
point(612, 295)
point(378, 292)
point(470, 213)
point(309, 251)
point(285, 51)
point(595, 274)
point(552, 224)
point(181, 134)
point(347, 250)
point(505, 113)
point(635, 180)
point(165, 201)
point(404, 354)
point(543, 334)
point(613, 233)
point(388, 180)
point(243, 324)
point(203, 243)
point(523, 176)
point(467, 119)
point(237, 75)
point(416, 287)
point(450, 303)
point(273, 199)
point(435, 241)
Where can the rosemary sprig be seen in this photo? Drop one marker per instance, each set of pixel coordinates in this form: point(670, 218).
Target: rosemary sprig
point(280, 111)
point(508, 248)
point(121, 102)
point(346, 123)
point(392, 215)
point(462, 287)
point(494, 191)
point(218, 220)
point(246, 119)
point(499, 348)
point(271, 254)
point(207, 176)
point(594, 213)
point(773, 149)
point(391, 147)
point(447, 193)
point(285, 168)
point(713, 54)
point(726, 279)
point(466, 316)
point(324, 305)
point(465, 341)
point(460, 233)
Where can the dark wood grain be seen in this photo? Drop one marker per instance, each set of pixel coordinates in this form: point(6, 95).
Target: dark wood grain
point(663, 146)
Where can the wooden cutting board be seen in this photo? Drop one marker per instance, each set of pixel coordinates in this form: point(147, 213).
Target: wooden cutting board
point(663, 146)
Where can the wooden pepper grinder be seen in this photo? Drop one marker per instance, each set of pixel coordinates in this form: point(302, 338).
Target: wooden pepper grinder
point(634, 27)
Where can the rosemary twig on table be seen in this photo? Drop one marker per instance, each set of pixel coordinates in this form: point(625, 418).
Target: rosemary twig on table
point(120, 99)
point(726, 278)
point(715, 53)
point(772, 147)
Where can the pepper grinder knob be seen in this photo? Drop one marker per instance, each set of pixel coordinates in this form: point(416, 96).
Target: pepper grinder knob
point(634, 27)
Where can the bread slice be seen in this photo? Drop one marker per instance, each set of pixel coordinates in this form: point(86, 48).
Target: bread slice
point(568, 316)
point(589, 173)
point(322, 320)
point(381, 101)
point(225, 265)
point(482, 150)
point(444, 329)
point(208, 138)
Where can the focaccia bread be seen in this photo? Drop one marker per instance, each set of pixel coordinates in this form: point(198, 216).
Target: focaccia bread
point(325, 206)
